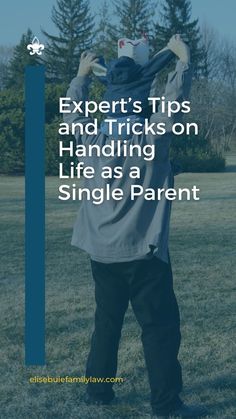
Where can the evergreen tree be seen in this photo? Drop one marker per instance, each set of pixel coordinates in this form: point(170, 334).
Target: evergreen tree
point(106, 34)
point(74, 23)
point(6, 54)
point(175, 17)
point(21, 58)
point(134, 17)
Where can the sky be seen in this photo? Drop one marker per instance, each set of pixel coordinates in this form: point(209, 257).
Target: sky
point(17, 15)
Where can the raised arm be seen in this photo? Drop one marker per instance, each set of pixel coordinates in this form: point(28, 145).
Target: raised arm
point(160, 60)
point(79, 89)
point(179, 81)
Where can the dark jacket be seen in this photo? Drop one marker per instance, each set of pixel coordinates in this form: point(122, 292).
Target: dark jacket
point(125, 79)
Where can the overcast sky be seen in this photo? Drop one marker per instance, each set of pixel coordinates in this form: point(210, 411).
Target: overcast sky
point(17, 15)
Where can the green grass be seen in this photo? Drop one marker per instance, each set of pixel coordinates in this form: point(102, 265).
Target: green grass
point(202, 247)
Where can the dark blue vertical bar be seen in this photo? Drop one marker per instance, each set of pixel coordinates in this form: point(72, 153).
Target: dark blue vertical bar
point(34, 216)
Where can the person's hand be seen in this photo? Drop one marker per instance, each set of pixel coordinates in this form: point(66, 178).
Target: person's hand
point(87, 60)
point(179, 48)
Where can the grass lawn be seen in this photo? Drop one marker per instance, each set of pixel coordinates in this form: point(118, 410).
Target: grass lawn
point(202, 245)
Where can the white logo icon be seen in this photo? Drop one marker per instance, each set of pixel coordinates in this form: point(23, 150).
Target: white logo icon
point(35, 47)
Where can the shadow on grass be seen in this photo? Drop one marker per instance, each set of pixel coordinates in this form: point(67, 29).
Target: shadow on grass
point(220, 383)
point(217, 383)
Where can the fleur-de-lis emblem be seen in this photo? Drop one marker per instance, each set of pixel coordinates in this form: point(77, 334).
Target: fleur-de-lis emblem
point(35, 47)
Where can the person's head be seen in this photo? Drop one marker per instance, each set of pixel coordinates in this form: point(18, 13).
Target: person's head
point(137, 49)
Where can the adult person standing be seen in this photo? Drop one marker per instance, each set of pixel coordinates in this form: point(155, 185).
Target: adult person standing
point(128, 246)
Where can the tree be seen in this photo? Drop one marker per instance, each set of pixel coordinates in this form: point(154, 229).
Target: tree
point(213, 101)
point(134, 17)
point(21, 58)
point(74, 23)
point(227, 60)
point(12, 131)
point(210, 42)
point(5, 57)
point(106, 34)
point(175, 17)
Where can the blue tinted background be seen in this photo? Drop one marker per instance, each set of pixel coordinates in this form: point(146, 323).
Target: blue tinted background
point(35, 14)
